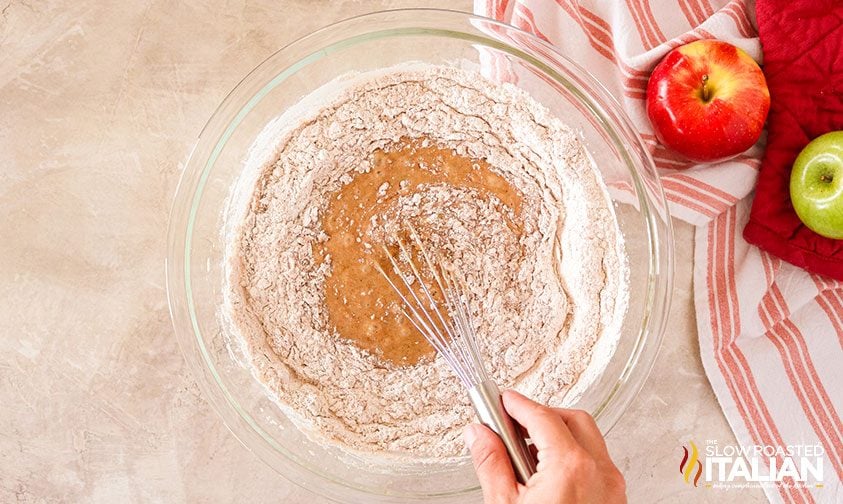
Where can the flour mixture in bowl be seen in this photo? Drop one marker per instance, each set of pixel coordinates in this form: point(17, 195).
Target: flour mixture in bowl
point(506, 192)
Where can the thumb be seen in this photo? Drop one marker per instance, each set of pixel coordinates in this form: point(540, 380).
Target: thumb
point(491, 462)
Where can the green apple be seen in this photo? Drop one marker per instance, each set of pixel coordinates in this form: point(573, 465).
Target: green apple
point(816, 185)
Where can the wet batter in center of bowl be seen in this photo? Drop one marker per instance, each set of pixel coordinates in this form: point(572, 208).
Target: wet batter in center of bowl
point(361, 305)
point(491, 180)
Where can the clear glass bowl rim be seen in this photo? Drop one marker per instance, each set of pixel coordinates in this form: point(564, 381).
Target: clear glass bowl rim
point(248, 92)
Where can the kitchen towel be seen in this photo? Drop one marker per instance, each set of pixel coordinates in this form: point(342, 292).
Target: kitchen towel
point(770, 334)
point(803, 43)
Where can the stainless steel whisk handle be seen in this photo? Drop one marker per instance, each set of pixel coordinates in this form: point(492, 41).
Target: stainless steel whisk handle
point(486, 399)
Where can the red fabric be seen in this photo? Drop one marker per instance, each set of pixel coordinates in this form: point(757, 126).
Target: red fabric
point(803, 62)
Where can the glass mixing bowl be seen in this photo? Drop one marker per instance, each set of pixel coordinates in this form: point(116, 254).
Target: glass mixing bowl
point(199, 225)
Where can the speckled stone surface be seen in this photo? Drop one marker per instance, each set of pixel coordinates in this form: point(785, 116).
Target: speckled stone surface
point(100, 103)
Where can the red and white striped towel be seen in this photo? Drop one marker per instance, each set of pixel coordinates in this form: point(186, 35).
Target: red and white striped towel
point(771, 335)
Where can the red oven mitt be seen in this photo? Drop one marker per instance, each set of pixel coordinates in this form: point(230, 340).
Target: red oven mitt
point(803, 62)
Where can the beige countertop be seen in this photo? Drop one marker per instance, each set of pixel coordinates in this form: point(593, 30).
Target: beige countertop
point(100, 104)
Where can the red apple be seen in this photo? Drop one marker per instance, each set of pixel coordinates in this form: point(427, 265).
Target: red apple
point(707, 100)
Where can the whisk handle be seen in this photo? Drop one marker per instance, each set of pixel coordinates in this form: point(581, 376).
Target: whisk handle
point(486, 399)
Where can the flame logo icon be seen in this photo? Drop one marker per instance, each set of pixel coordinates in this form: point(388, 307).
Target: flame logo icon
point(690, 462)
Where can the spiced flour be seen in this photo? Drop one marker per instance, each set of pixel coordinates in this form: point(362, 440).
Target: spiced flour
point(548, 279)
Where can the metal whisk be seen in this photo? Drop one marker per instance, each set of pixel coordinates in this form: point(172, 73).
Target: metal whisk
point(448, 326)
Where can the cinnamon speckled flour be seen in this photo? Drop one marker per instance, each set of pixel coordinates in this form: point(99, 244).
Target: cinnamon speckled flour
point(545, 289)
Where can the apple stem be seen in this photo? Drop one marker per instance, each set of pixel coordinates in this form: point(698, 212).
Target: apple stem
point(826, 178)
point(705, 90)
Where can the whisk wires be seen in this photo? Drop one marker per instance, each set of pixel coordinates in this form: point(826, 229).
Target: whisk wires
point(447, 325)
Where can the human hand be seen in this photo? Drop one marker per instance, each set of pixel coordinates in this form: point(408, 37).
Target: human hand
point(573, 462)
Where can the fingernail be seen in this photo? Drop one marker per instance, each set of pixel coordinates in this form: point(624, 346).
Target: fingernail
point(470, 435)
